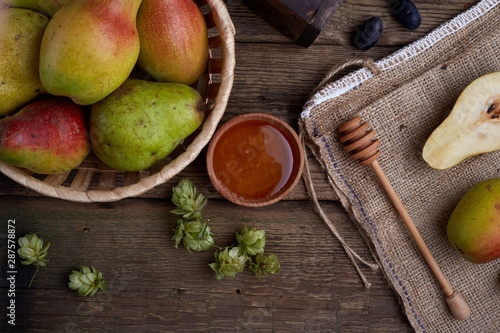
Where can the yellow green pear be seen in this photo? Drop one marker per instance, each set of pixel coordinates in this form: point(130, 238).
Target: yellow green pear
point(141, 122)
point(471, 128)
point(48, 7)
point(474, 226)
point(89, 49)
point(21, 32)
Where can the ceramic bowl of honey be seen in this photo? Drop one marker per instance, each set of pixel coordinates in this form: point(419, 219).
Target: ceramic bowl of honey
point(255, 159)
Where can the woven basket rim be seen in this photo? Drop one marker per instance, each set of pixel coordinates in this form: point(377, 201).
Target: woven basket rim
point(226, 32)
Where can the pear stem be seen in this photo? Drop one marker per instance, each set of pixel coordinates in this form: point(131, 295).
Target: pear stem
point(205, 106)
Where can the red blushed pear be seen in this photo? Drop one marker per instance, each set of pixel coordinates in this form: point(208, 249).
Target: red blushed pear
point(474, 226)
point(174, 40)
point(48, 136)
point(89, 48)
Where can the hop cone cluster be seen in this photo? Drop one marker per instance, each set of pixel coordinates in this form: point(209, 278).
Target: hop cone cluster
point(194, 234)
point(86, 280)
point(187, 199)
point(32, 250)
point(251, 241)
point(228, 262)
point(265, 265)
point(232, 260)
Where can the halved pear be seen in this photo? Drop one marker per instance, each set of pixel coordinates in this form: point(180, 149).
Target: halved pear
point(472, 127)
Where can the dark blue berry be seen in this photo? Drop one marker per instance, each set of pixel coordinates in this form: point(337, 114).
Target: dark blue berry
point(367, 35)
point(406, 12)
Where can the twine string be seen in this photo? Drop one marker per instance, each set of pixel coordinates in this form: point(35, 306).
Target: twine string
point(368, 63)
point(350, 252)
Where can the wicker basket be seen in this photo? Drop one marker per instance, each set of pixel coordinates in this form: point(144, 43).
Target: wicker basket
point(93, 181)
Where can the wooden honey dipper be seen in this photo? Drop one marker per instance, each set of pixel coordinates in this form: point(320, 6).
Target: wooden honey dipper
point(359, 143)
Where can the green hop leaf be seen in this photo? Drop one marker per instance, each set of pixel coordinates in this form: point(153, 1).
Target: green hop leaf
point(265, 265)
point(252, 241)
point(86, 280)
point(188, 200)
point(179, 233)
point(228, 262)
point(195, 235)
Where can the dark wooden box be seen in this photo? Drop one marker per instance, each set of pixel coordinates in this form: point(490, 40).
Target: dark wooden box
point(300, 20)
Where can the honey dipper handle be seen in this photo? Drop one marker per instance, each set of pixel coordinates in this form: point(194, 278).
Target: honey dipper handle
point(456, 303)
point(458, 306)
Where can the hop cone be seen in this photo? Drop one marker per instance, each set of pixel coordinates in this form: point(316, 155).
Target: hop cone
point(228, 262)
point(265, 265)
point(251, 241)
point(195, 235)
point(87, 281)
point(32, 250)
point(187, 199)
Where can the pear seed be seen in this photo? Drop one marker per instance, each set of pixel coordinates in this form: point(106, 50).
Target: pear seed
point(491, 108)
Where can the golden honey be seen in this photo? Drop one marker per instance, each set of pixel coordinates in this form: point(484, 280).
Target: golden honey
point(253, 159)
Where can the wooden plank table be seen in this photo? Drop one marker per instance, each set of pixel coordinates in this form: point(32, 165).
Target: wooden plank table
point(154, 287)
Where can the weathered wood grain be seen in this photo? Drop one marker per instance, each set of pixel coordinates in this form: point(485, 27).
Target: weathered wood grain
point(157, 288)
point(253, 29)
point(154, 287)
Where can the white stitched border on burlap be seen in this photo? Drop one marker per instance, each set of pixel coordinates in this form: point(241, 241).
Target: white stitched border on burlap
point(354, 79)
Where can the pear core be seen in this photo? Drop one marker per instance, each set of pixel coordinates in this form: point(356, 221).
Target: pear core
point(472, 127)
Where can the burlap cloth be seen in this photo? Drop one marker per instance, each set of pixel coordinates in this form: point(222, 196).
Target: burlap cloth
point(404, 97)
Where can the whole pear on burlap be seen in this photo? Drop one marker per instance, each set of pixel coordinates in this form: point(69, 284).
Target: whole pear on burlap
point(174, 40)
point(474, 226)
point(21, 32)
point(89, 49)
point(142, 122)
